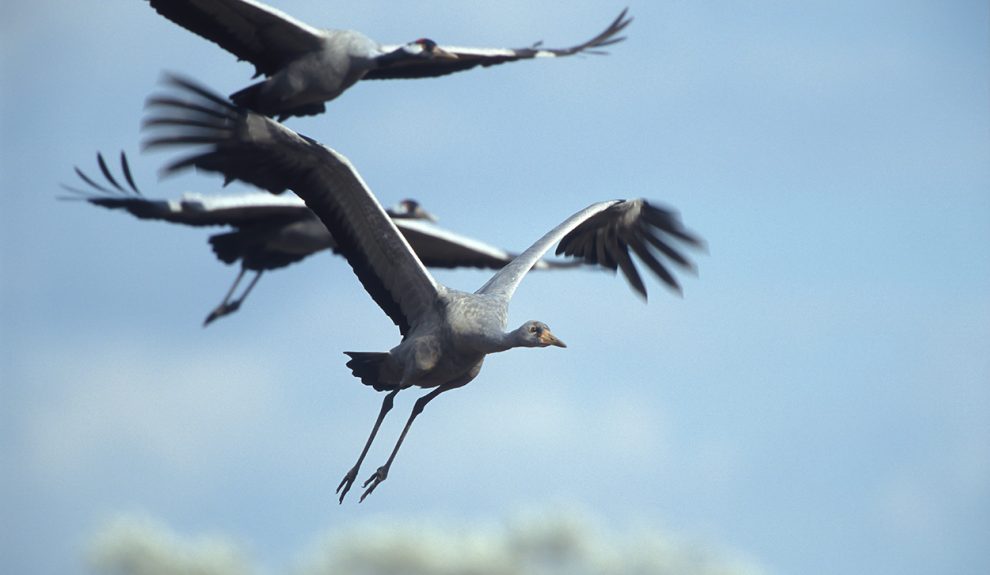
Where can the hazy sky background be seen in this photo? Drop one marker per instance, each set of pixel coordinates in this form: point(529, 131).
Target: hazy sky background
point(817, 402)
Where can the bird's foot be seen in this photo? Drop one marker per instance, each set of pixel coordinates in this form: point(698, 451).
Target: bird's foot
point(346, 482)
point(220, 311)
point(377, 477)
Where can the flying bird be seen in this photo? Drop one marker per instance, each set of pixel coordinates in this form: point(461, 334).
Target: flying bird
point(270, 232)
point(305, 66)
point(446, 333)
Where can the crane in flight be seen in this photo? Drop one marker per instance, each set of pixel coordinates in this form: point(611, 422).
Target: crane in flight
point(446, 333)
point(306, 66)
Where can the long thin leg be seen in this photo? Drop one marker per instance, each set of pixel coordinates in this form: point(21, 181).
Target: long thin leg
point(382, 472)
point(234, 306)
point(226, 306)
point(220, 310)
point(345, 484)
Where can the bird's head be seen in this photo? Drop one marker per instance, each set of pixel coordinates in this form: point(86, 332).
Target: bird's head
point(411, 210)
point(537, 334)
point(426, 48)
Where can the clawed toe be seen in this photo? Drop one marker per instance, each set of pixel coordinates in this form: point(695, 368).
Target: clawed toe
point(377, 477)
point(222, 310)
point(346, 482)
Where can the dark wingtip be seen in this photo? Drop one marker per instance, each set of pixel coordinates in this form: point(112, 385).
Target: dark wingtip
point(629, 228)
point(606, 37)
point(188, 84)
point(82, 176)
point(126, 168)
point(77, 194)
point(103, 194)
point(106, 173)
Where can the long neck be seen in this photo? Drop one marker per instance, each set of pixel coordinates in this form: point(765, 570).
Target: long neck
point(506, 340)
point(489, 342)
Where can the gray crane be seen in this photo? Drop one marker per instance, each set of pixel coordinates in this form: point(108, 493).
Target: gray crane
point(306, 66)
point(446, 333)
point(271, 232)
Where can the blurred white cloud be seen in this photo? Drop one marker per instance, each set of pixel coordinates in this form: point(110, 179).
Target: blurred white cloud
point(564, 542)
point(139, 546)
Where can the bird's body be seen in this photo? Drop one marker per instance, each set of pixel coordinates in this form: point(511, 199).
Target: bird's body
point(271, 232)
point(306, 66)
point(446, 333)
point(303, 84)
point(448, 344)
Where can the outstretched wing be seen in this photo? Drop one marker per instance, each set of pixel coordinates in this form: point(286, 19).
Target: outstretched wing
point(603, 234)
point(651, 232)
point(191, 209)
point(278, 230)
point(243, 145)
point(252, 31)
point(441, 248)
point(468, 58)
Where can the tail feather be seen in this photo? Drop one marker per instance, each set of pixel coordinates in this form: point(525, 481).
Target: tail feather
point(366, 366)
point(229, 246)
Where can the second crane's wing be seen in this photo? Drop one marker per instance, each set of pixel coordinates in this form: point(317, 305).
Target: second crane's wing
point(438, 247)
point(441, 248)
point(243, 145)
point(191, 209)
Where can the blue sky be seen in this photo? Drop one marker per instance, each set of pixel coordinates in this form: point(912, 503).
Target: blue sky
point(817, 402)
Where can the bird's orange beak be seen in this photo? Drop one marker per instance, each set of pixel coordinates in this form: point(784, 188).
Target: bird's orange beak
point(442, 54)
point(547, 338)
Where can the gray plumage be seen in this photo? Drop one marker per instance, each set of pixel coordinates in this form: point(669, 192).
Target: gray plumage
point(271, 232)
point(306, 66)
point(446, 333)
